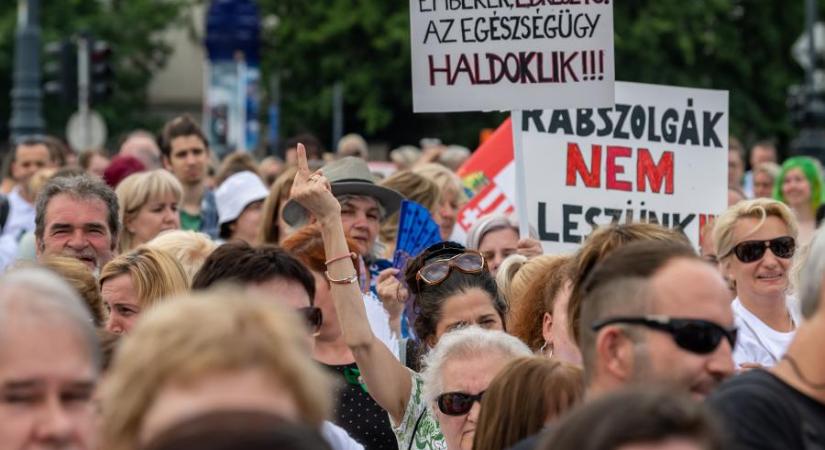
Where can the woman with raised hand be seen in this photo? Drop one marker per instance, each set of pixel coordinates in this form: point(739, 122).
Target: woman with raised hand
point(454, 290)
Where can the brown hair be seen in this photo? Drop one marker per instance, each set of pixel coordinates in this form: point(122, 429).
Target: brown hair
point(81, 279)
point(233, 163)
point(634, 416)
point(522, 397)
point(86, 157)
point(269, 233)
point(598, 245)
point(195, 336)
point(180, 126)
point(527, 315)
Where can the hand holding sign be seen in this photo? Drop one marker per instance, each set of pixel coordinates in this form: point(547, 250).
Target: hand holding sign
point(313, 191)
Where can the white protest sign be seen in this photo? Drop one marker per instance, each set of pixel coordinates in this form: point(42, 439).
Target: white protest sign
point(476, 55)
point(660, 155)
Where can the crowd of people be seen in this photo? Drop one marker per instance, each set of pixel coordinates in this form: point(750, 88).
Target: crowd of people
point(159, 299)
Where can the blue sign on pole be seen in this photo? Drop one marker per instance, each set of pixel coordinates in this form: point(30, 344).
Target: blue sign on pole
point(233, 89)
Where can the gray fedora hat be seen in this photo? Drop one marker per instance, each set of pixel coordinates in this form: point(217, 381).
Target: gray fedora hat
point(349, 175)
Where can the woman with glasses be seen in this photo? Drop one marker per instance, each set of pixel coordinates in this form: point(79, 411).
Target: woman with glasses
point(755, 244)
point(453, 290)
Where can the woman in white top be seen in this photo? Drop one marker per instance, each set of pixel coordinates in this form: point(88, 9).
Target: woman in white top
point(756, 241)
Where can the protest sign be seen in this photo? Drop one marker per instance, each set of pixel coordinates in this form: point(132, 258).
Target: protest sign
point(660, 155)
point(489, 177)
point(476, 55)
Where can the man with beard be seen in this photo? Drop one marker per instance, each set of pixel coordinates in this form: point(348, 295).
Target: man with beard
point(77, 217)
point(654, 312)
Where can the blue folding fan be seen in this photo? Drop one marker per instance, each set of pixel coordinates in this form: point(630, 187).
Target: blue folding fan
point(416, 231)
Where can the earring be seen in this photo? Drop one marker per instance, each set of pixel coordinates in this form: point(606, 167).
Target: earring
point(543, 349)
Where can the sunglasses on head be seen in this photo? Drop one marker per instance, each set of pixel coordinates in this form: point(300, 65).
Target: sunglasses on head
point(313, 317)
point(435, 272)
point(694, 335)
point(457, 403)
point(750, 251)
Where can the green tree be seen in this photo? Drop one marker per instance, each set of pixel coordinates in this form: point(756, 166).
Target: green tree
point(133, 29)
point(738, 45)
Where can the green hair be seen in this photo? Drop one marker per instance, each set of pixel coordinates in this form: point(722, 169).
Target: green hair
point(811, 168)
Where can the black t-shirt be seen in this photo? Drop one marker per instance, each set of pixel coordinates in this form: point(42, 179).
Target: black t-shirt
point(760, 411)
point(358, 414)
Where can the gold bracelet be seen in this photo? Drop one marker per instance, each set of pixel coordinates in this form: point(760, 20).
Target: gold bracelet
point(348, 280)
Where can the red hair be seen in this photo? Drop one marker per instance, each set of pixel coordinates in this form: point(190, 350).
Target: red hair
point(307, 245)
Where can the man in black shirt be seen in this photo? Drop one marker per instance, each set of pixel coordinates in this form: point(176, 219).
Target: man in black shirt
point(784, 408)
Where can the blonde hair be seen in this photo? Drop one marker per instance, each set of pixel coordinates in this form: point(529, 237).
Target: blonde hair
point(201, 334)
point(81, 279)
point(189, 248)
point(506, 273)
point(138, 189)
point(412, 186)
point(155, 274)
point(759, 208)
point(269, 233)
point(445, 178)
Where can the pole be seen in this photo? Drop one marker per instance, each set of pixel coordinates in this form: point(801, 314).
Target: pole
point(26, 113)
point(337, 113)
point(810, 20)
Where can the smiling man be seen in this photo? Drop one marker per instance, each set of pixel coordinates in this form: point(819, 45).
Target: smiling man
point(49, 362)
point(77, 217)
point(654, 312)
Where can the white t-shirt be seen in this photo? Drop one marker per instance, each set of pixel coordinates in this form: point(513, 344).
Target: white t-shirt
point(757, 342)
point(338, 438)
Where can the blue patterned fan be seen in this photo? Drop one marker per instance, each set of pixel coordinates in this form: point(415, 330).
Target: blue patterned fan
point(416, 231)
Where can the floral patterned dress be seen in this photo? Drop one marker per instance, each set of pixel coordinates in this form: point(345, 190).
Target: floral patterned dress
point(419, 430)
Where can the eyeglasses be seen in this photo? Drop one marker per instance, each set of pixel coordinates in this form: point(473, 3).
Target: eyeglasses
point(750, 251)
point(313, 317)
point(694, 335)
point(457, 403)
point(437, 271)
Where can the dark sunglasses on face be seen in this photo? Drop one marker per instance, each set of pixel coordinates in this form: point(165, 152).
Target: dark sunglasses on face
point(694, 335)
point(313, 317)
point(750, 251)
point(457, 403)
point(437, 271)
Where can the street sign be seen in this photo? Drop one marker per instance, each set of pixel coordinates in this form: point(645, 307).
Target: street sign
point(86, 130)
point(801, 48)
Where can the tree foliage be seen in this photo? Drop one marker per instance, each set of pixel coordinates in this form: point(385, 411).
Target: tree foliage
point(132, 28)
point(738, 45)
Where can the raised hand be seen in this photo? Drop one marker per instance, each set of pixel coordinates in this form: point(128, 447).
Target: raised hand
point(312, 190)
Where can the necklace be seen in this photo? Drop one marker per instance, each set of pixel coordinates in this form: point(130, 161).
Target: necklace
point(798, 373)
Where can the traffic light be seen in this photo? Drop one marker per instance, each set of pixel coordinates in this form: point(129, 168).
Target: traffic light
point(101, 73)
point(60, 71)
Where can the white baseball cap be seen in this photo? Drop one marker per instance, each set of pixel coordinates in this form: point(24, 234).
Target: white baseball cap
point(236, 193)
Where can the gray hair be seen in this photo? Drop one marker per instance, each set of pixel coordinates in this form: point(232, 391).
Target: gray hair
point(490, 223)
point(39, 295)
point(812, 274)
point(465, 343)
point(81, 187)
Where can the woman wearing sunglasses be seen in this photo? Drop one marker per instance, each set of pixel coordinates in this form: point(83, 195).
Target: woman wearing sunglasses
point(755, 243)
point(453, 290)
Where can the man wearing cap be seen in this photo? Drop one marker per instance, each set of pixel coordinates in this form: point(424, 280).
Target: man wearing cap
point(239, 199)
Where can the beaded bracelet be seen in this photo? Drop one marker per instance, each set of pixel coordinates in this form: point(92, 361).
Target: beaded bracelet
point(350, 255)
point(348, 280)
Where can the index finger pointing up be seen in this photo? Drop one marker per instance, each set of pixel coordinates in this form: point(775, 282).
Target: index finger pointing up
point(303, 166)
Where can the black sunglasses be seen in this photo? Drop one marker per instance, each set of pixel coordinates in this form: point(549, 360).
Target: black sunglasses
point(750, 251)
point(694, 335)
point(313, 317)
point(457, 403)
